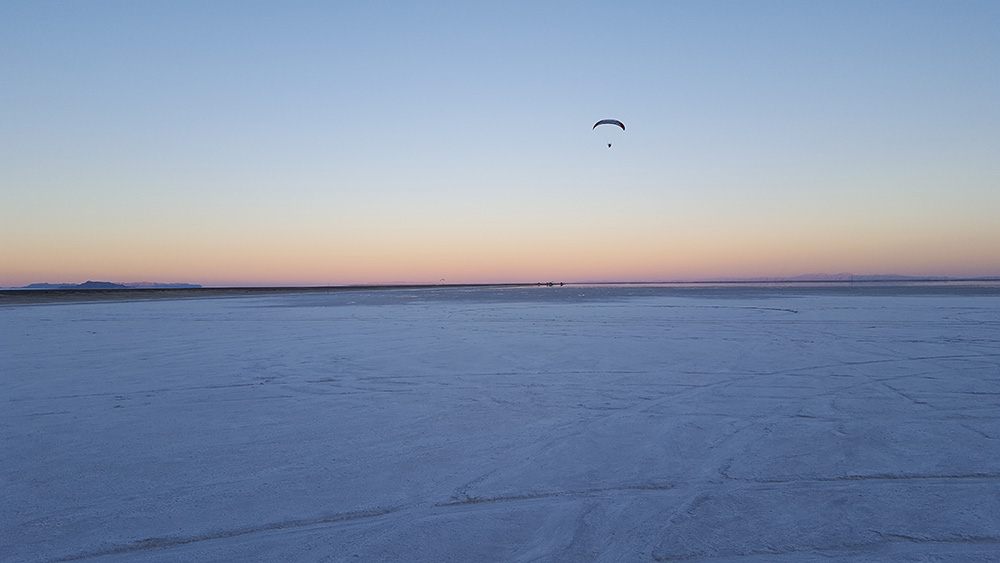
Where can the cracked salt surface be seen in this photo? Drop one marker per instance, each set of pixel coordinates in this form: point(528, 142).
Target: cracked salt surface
point(504, 424)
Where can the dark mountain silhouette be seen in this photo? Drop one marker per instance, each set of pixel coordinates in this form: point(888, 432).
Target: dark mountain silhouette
point(100, 285)
point(91, 284)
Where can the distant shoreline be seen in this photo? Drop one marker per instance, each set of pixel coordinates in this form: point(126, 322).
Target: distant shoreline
point(917, 286)
point(859, 279)
point(32, 296)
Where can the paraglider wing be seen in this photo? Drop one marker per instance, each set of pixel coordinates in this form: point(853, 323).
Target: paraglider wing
point(609, 122)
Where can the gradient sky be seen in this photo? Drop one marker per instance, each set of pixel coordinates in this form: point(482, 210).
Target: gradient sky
point(352, 142)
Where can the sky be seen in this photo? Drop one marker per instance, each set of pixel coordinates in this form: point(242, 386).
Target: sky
point(290, 143)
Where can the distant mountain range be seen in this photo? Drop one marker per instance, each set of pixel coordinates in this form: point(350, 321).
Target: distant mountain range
point(89, 284)
point(838, 277)
point(848, 277)
point(805, 278)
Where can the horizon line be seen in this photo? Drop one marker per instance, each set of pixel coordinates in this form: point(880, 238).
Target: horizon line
point(840, 278)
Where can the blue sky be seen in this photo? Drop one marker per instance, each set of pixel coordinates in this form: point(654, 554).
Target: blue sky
point(243, 142)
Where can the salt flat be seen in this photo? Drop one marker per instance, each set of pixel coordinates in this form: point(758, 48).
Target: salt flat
point(572, 424)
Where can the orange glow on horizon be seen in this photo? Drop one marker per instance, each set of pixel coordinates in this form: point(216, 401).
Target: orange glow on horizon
point(636, 255)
